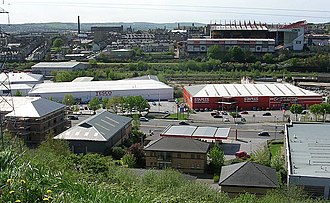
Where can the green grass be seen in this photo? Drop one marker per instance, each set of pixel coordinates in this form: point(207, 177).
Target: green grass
point(275, 148)
point(179, 116)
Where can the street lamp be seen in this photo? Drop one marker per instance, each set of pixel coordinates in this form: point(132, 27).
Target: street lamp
point(325, 114)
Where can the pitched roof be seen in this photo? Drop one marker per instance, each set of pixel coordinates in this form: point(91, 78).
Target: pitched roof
point(177, 145)
point(248, 174)
point(100, 127)
point(66, 64)
point(30, 107)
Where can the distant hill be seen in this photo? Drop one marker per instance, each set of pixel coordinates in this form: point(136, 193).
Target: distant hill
point(86, 27)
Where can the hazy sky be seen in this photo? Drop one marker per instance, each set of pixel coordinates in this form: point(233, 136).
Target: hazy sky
point(270, 11)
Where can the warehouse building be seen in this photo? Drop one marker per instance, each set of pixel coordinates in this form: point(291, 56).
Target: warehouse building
point(98, 134)
point(307, 156)
point(47, 68)
point(248, 96)
point(150, 90)
point(22, 78)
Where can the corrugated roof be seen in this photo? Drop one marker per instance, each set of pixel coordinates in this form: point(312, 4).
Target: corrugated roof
point(245, 90)
point(100, 127)
point(30, 107)
point(248, 174)
point(67, 87)
point(21, 77)
point(177, 145)
point(67, 64)
point(83, 79)
point(309, 146)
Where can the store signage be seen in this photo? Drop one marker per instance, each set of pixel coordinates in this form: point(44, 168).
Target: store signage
point(285, 99)
point(251, 99)
point(103, 93)
point(201, 100)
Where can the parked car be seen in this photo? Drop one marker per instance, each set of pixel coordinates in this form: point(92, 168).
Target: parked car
point(144, 119)
point(244, 112)
point(213, 113)
point(263, 133)
point(305, 112)
point(73, 117)
point(217, 116)
point(242, 154)
point(227, 119)
point(183, 123)
point(267, 114)
point(154, 103)
point(224, 113)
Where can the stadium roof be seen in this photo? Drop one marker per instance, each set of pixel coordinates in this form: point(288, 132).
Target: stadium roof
point(29, 107)
point(67, 64)
point(240, 25)
point(196, 132)
point(308, 149)
point(21, 77)
point(247, 90)
point(100, 127)
point(67, 87)
point(171, 144)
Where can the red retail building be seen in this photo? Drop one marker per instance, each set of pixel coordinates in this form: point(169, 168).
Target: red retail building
point(248, 96)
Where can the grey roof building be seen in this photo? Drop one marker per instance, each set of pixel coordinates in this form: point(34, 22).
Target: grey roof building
point(247, 177)
point(308, 155)
point(98, 133)
point(46, 68)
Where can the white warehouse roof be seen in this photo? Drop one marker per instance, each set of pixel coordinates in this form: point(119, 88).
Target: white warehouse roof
point(67, 64)
point(247, 90)
point(68, 87)
point(21, 77)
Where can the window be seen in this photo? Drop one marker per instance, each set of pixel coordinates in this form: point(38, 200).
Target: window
point(298, 42)
point(198, 156)
point(179, 155)
point(198, 166)
point(178, 165)
point(192, 156)
point(151, 163)
point(193, 165)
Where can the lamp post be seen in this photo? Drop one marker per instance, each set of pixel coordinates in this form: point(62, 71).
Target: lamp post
point(325, 114)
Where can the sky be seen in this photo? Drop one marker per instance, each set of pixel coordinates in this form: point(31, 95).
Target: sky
point(161, 11)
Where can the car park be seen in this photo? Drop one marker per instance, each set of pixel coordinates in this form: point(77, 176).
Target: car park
point(144, 119)
point(263, 133)
point(267, 114)
point(183, 123)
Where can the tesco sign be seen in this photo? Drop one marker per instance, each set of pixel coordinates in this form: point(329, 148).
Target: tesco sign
point(103, 93)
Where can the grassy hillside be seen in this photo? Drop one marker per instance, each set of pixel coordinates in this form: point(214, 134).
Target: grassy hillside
point(52, 174)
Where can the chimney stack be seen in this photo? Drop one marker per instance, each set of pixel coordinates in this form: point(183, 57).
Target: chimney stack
point(78, 25)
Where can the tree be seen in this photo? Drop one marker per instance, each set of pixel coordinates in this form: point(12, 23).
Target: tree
point(236, 54)
point(217, 158)
point(316, 110)
point(115, 103)
point(94, 104)
point(137, 150)
point(214, 52)
point(128, 160)
point(18, 93)
point(58, 43)
point(262, 156)
point(296, 109)
point(117, 153)
point(136, 122)
point(68, 100)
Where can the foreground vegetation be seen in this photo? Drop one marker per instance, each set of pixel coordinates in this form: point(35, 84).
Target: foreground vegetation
point(52, 174)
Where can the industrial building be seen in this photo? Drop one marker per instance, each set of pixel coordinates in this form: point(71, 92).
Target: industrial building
point(150, 90)
point(248, 96)
point(307, 156)
point(47, 68)
point(98, 133)
point(22, 78)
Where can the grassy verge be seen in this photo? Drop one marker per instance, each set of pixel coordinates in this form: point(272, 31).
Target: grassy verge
point(275, 148)
point(179, 116)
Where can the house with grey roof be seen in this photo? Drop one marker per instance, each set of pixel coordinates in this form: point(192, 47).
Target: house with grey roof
point(33, 118)
point(247, 177)
point(184, 154)
point(98, 133)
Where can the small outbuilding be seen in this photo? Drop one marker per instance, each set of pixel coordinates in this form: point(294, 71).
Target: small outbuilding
point(98, 133)
point(247, 177)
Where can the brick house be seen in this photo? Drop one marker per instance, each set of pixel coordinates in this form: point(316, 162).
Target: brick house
point(184, 154)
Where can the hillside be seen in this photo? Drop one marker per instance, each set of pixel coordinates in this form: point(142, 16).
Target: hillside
point(52, 174)
point(86, 27)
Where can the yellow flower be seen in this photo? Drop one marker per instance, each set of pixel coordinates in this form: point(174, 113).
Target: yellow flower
point(17, 201)
point(23, 181)
point(10, 181)
point(45, 199)
point(49, 191)
point(11, 191)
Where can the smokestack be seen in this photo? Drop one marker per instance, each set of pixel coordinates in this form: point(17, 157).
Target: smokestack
point(78, 25)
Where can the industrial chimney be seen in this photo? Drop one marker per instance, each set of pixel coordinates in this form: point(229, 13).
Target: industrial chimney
point(78, 25)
